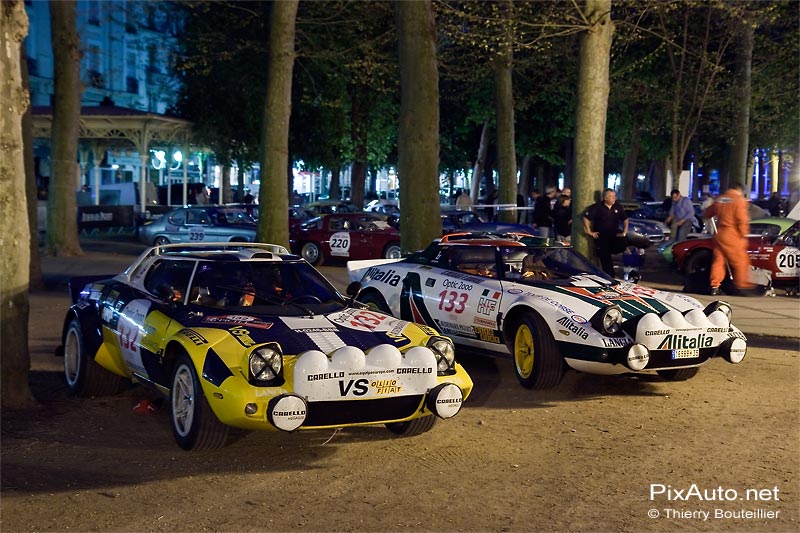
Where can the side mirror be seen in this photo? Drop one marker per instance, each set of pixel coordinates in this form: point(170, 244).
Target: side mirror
point(353, 289)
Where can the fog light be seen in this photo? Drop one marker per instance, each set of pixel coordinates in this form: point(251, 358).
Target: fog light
point(736, 350)
point(250, 409)
point(287, 412)
point(445, 400)
point(638, 356)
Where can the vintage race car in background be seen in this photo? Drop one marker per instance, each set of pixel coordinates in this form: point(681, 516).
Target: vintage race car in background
point(249, 337)
point(547, 306)
point(773, 245)
point(345, 236)
point(199, 224)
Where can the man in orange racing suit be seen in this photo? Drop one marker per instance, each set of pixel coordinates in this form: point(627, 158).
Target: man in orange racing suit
point(730, 240)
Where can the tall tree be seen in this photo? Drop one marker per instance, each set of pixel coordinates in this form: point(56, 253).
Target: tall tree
point(62, 224)
point(14, 239)
point(590, 115)
point(35, 281)
point(418, 139)
point(504, 105)
point(741, 145)
point(273, 224)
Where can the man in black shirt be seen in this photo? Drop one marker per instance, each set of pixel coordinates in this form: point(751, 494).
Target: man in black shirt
point(601, 222)
point(543, 213)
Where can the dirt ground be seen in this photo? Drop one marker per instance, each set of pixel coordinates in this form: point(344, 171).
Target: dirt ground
point(594, 454)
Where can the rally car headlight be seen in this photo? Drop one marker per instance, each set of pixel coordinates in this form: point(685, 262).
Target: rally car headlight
point(445, 354)
point(720, 306)
point(608, 321)
point(266, 364)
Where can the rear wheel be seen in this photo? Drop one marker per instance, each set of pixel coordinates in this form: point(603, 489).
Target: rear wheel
point(84, 376)
point(697, 270)
point(412, 427)
point(374, 300)
point(312, 253)
point(194, 424)
point(537, 363)
point(392, 251)
point(678, 374)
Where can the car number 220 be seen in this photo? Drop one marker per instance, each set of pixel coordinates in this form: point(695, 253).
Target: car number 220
point(453, 301)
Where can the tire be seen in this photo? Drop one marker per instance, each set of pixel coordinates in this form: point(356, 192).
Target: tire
point(537, 363)
point(312, 252)
point(194, 424)
point(83, 375)
point(678, 374)
point(374, 300)
point(392, 251)
point(160, 241)
point(698, 263)
point(414, 427)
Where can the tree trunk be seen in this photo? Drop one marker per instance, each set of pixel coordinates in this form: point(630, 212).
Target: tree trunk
point(62, 223)
point(418, 136)
point(15, 238)
point(525, 184)
point(504, 106)
point(31, 193)
point(225, 185)
point(336, 173)
point(590, 115)
point(740, 149)
point(480, 163)
point(358, 136)
point(273, 224)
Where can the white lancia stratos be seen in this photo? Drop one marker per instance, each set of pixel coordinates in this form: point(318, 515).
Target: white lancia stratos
point(549, 308)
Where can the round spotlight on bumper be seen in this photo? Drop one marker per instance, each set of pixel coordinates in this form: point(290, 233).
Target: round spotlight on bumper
point(638, 357)
point(735, 350)
point(445, 400)
point(287, 412)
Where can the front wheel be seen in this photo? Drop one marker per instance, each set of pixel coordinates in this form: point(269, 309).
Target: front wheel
point(411, 428)
point(194, 424)
point(374, 300)
point(678, 374)
point(537, 363)
point(312, 253)
point(83, 375)
point(160, 241)
point(392, 251)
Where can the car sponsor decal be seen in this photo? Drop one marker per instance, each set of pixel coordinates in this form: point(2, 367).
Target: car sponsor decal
point(573, 327)
point(350, 374)
point(483, 322)
point(194, 336)
point(340, 244)
point(242, 335)
point(237, 320)
point(615, 342)
point(389, 277)
point(430, 282)
point(412, 303)
point(129, 329)
point(453, 328)
point(488, 335)
point(674, 341)
point(368, 320)
point(321, 331)
point(515, 291)
point(555, 303)
point(487, 302)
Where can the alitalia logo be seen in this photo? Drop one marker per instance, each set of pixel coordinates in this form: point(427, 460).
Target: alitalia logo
point(390, 276)
point(680, 342)
point(573, 327)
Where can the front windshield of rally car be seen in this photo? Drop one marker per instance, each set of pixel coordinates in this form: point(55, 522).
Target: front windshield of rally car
point(264, 287)
point(543, 263)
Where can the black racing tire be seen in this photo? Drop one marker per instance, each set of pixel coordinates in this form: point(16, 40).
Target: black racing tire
point(392, 251)
point(84, 376)
point(194, 425)
point(160, 241)
point(374, 300)
point(537, 362)
point(312, 252)
point(678, 374)
point(698, 263)
point(414, 427)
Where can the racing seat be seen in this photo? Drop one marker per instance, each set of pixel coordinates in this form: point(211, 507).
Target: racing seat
point(533, 268)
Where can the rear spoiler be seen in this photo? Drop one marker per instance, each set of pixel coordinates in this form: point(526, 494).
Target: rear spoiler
point(77, 284)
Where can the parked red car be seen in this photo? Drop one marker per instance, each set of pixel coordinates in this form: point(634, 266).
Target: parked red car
point(771, 245)
point(345, 236)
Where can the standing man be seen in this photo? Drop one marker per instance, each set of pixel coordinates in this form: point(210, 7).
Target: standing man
point(681, 214)
point(463, 201)
point(601, 222)
point(730, 240)
point(533, 196)
point(543, 212)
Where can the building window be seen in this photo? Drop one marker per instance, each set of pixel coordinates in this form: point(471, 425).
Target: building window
point(33, 66)
point(132, 85)
point(96, 79)
point(94, 13)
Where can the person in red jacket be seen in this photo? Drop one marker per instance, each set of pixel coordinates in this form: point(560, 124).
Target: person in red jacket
point(730, 240)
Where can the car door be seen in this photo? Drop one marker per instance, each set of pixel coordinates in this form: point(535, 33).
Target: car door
point(340, 241)
point(195, 226)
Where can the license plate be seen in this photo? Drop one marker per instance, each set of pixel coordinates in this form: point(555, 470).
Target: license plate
point(686, 354)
